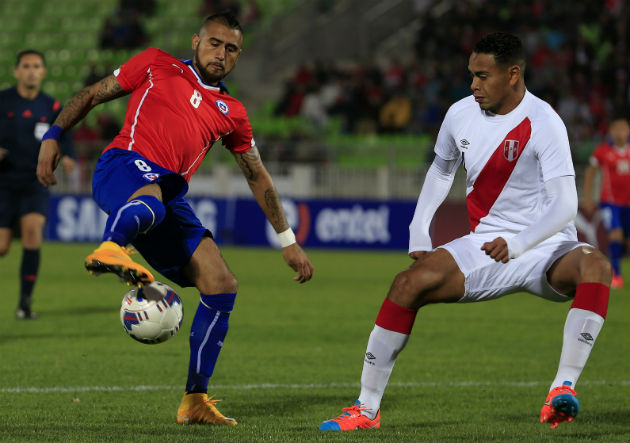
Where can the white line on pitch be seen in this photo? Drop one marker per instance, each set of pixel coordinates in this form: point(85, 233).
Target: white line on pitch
point(428, 384)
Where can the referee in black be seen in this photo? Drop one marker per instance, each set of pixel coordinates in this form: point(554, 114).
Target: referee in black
point(26, 113)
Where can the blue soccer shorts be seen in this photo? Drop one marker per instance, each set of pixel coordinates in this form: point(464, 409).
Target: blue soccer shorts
point(615, 217)
point(20, 198)
point(168, 246)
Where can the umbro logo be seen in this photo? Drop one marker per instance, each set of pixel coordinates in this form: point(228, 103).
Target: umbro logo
point(586, 338)
point(369, 356)
point(464, 143)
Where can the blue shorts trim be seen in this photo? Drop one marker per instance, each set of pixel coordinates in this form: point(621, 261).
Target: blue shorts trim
point(615, 217)
point(19, 199)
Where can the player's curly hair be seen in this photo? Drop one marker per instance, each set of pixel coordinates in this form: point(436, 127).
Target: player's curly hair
point(507, 49)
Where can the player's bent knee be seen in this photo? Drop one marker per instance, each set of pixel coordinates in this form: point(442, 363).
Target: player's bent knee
point(409, 288)
point(226, 282)
point(4, 250)
point(595, 267)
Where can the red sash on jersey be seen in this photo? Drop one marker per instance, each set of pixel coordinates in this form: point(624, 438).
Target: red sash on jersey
point(496, 172)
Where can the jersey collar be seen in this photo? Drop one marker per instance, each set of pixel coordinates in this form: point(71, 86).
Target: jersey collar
point(219, 87)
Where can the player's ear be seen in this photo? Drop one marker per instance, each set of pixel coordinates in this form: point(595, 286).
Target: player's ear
point(195, 41)
point(515, 74)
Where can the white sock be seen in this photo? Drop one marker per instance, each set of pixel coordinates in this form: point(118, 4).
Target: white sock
point(380, 356)
point(580, 332)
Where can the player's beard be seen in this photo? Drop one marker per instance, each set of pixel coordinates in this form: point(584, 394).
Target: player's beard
point(206, 76)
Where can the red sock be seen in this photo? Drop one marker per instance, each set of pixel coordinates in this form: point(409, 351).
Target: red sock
point(395, 318)
point(592, 297)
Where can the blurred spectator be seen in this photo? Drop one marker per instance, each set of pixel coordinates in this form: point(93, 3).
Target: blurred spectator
point(142, 7)
point(108, 126)
point(395, 114)
point(313, 108)
point(85, 134)
point(250, 13)
point(291, 100)
point(123, 30)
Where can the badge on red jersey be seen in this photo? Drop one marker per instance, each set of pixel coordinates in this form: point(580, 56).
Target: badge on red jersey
point(223, 107)
point(510, 150)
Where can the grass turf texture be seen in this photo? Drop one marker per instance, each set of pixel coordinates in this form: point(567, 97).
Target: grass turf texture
point(293, 358)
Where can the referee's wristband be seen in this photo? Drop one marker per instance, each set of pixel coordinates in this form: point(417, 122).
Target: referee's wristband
point(287, 238)
point(53, 132)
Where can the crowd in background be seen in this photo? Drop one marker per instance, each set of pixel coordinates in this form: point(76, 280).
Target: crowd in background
point(577, 61)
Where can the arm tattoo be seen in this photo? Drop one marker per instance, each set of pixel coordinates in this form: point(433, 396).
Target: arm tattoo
point(108, 89)
point(274, 207)
point(249, 162)
point(88, 97)
point(262, 187)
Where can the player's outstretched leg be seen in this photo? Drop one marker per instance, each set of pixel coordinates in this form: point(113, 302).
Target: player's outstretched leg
point(388, 338)
point(199, 408)
point(135, 217)
point(110, 257)
point(560, 406)
point(351, 419)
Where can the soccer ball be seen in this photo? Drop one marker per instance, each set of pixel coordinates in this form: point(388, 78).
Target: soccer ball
point(151, 314)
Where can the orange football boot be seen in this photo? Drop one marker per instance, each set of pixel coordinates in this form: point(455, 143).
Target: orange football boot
point(111, 257)
point(199, 408)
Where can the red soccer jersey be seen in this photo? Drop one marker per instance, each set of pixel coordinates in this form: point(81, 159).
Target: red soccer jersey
point(615, 167)
point(172, 117)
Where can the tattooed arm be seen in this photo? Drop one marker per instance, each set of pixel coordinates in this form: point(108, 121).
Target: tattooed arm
point(262, 187)
point(49, 153)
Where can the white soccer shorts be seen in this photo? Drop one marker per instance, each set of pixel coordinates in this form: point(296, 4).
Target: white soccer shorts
point(487, 279)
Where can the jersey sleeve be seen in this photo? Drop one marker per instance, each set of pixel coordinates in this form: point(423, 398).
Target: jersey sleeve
point(597, 157)
point(134, 71)
point(552, 147)
point(241, 139)
point(445, 145)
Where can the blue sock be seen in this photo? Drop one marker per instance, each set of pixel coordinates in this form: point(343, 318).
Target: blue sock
point(207, 333)
point(135, 217)
point(614, 253)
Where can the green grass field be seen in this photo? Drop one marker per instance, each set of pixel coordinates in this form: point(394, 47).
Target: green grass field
point(293, 357)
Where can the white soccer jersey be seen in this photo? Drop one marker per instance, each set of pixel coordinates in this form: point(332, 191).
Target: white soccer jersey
point(508, 158)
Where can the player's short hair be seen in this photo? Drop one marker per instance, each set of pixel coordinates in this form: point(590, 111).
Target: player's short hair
point(507, 49)
point(226, 18)
point(29, 52)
